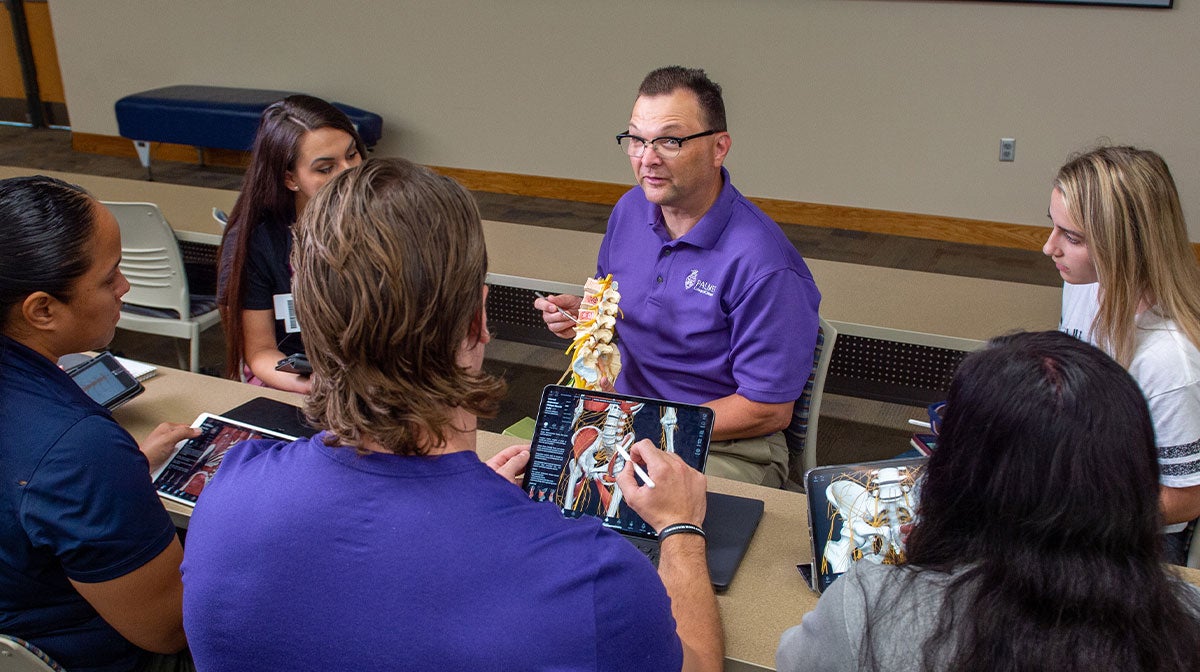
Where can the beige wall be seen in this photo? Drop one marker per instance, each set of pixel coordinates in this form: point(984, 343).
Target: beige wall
point(891, 104)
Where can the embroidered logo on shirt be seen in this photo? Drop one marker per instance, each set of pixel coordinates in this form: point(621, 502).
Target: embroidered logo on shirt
point(693, 282)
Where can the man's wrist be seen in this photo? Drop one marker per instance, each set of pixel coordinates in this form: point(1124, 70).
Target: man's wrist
point(681, 528)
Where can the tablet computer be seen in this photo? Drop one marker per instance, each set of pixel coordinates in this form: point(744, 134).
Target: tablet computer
point(194, 461)
point(104, 379)
point(860, 513)
point(577, 447)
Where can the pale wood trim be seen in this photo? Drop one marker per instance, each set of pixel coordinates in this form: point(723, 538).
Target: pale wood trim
point(583, 191)
point(907, 224)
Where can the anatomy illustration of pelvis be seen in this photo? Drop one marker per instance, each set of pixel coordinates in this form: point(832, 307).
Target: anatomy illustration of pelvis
point(872, 514)
point(595, 458)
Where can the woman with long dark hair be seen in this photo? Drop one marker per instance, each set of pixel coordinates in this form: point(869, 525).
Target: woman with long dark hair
point(1132, 287)
point(1036, 543)
point(302, 142)
point(89, 561)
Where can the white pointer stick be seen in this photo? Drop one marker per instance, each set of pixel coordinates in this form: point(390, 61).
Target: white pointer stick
point(637, 468)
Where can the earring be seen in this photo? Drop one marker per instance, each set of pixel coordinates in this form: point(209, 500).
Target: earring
point(294, 188)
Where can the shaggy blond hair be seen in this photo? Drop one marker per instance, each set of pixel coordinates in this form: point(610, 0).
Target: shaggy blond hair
point(1125, 200)
point(389, 266)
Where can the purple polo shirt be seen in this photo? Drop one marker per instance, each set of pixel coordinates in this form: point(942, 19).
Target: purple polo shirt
point(729, 307)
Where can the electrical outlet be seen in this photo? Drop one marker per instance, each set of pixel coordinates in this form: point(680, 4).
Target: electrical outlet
point(1008, 149)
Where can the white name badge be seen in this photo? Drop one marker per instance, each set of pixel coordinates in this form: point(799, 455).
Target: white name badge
point(285, 309)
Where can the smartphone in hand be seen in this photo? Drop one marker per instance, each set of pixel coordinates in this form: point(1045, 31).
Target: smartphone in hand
point(297, 363)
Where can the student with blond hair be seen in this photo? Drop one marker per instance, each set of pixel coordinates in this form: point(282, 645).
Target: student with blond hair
point(1132, 287)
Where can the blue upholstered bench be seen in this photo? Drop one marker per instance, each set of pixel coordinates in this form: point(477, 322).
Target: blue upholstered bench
point(211, 117)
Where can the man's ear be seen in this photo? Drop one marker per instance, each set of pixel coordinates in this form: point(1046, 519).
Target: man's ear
point(40, 311)
point(721, 148)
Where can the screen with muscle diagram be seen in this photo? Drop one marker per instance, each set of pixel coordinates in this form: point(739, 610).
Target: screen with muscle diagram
point(576, 452)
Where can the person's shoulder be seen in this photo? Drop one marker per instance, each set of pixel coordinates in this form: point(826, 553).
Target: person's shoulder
point(869, 579)
point(274, 454)
point(869, 586)
point(762, 237)
point(268, 237)
point(1165, 358)
point(53, 423)
point(590, 543)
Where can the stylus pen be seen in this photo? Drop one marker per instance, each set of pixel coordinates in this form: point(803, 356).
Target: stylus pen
point(637, 468)
point(558, 308)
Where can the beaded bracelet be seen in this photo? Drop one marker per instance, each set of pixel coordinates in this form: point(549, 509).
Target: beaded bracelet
point(680, 528)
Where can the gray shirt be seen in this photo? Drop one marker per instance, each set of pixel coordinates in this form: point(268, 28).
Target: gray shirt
point(830, 637)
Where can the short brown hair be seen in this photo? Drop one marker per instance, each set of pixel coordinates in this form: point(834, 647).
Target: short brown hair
point(664, 81)
point(389, 266)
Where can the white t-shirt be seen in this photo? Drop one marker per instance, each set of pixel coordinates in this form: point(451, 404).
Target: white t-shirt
point(1166, 365)
point(1079, 307)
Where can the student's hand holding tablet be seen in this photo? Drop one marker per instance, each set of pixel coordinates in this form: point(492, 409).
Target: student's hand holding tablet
point(510, 463)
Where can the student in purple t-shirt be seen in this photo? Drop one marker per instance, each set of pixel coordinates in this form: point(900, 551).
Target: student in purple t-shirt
point(384, 542)
point(719, 307)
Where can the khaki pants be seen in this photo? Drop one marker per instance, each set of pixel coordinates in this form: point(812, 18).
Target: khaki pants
point(761, 461)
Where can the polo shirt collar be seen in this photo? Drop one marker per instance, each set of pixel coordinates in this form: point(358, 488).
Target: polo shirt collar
point(711, 226)
point(24, 358)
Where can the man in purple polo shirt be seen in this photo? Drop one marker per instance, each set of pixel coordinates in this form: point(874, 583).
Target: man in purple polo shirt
point(719, 307)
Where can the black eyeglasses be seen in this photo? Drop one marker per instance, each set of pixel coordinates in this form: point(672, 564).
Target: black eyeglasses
point(666, 146)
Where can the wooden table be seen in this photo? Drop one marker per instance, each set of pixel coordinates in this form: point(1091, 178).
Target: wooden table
point(187, 209)
point(767, 595)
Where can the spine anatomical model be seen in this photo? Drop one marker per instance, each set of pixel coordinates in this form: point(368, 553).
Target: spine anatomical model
point(595, 361)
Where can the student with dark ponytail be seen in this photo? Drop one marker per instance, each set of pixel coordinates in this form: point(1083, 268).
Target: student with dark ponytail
point(89, 561)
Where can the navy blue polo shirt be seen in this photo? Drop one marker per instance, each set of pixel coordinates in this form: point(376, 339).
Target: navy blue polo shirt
point(76, 502)
point(728, 307)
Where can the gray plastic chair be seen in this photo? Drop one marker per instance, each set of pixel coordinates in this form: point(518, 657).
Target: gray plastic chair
point(158, 301)
point(18, 655)
point(801, 434)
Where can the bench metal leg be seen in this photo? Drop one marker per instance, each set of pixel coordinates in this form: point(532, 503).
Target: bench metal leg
point(143, 151)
